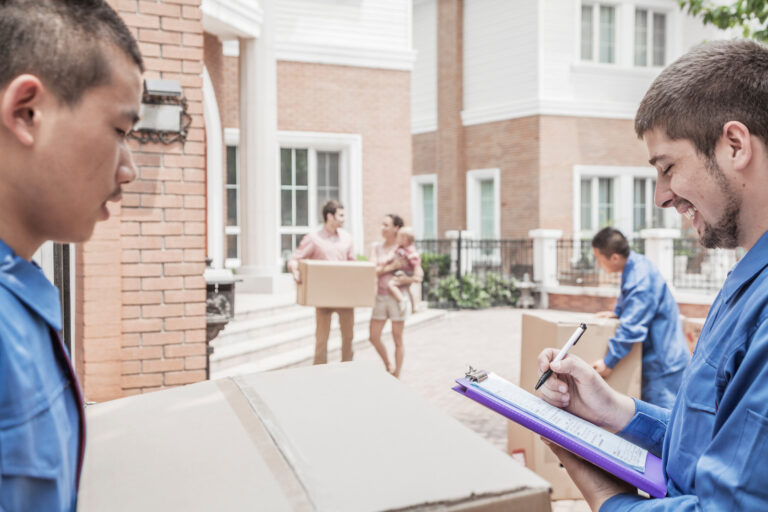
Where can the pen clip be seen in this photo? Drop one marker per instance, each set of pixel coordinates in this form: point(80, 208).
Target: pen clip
point(473, 375)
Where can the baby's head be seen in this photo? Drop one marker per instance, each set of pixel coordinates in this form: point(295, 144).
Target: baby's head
point(405, 236)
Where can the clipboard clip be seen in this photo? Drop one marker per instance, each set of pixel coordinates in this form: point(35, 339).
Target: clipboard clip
point(473, 375)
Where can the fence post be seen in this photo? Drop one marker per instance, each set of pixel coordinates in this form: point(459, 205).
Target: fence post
point(545, 255)
point(659, 248)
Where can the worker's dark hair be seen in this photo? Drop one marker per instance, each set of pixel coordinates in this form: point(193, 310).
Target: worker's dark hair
point(397, 220)
point(62, 42)
point(330, 207)
point(610, 241)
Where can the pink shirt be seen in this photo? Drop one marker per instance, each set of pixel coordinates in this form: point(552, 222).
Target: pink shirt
point(412, 257)
point(323, 245)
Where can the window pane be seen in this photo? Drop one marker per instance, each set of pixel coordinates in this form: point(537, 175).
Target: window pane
point(322, 169)
point(657, 213)
point(233, 247)
point(333, 169)
point(302, 208)
point(641, 37)
point(586, 32)
point(301, 167)
point(285, 166)
point(639, 205)
point(231, 207)
point(286, 208)
point(487, 221)
point(607, 33)
point(586, 204)
point(659, 39)
point(605, 201)
point(428, 205)
point(231, 165)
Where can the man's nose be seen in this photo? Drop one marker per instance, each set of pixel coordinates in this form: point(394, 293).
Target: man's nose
point(126, 171)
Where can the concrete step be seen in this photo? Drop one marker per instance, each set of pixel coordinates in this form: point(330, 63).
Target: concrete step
point(274, 321)
point(298, 350)
point(256, 305)
point(246, 346)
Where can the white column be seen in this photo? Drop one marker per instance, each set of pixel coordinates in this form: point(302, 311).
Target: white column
point(659, 248)
point(261, 270)
point(214, 173)
point(466, 259)
point(545, 255)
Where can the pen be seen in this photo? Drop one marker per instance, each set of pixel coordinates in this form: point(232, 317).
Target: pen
point(570, 343)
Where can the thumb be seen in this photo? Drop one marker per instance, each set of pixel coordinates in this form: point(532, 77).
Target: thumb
point(573, 366)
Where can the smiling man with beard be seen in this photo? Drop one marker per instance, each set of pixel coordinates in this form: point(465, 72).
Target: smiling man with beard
point(70, 90)
point(705, 123)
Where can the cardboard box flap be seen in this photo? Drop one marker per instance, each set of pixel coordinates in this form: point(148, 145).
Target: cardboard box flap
point(392, 451)
point(183, 449)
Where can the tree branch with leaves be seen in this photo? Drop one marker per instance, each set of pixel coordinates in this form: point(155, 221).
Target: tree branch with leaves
point(749, 15)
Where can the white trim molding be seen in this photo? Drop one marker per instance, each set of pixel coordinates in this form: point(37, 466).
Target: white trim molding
point(351, 166)
point(419, 126)
point(230, 48)
point(214, 173)
point(474, 178)
point(230, 19)
point(345, 56)
point(417, 202)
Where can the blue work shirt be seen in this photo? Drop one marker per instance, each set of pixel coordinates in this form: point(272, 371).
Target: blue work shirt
point(648, 314)
point(714, 442)
point(41, 426)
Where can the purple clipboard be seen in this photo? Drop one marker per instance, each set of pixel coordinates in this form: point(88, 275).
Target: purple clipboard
point(651, 480)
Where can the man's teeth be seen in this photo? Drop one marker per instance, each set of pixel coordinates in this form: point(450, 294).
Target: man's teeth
point(690, 212)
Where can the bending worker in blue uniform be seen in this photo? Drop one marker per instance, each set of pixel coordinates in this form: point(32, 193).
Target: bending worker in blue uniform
point(704, 121)
point(647, 314)
point(70, 91)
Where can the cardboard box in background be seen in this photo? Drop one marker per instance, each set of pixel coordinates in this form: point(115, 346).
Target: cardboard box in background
point(692, 330)
point(552, 329)
point(329, 438)
point(336, 284)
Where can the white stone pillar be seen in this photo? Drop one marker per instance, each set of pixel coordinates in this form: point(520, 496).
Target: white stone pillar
point(259, 159)
point(659, 248)
point(545, 255)
point(466, 258)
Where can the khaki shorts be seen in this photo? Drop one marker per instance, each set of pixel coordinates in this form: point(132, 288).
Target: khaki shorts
point(387, 307)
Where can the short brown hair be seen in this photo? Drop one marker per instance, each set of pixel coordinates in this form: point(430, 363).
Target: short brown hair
point(610, 241)
point(330, 207)
point(710, 85)
point(62, 43)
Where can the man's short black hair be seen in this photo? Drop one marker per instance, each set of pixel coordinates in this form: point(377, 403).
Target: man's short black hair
point(610, 241)
point(330, 207)
point(62, 42)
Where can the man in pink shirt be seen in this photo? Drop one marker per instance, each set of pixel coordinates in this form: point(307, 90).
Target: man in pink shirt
point(331, 243)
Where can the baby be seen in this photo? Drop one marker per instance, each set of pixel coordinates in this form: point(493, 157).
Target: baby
point(404, 261)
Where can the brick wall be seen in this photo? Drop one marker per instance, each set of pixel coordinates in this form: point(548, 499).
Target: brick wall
point(593, 304)
point(374, 103)
point(141, 295)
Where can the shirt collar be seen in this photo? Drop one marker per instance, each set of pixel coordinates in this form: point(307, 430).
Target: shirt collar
point(28, 283)
point(747, 267)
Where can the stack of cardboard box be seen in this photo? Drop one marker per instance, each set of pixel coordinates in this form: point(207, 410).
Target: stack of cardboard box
point(336, 284)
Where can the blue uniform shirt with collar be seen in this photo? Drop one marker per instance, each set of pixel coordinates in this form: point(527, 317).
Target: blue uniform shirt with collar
point(40, 425)
point(648, 314)
point(714, 441)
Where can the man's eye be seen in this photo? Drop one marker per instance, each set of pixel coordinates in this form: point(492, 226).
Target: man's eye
point(666, 171)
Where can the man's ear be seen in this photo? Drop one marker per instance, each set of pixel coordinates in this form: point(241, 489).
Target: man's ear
point(18, 107)
point(736, 139)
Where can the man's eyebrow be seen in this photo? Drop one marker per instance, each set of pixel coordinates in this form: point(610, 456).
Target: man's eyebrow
point(656, 158)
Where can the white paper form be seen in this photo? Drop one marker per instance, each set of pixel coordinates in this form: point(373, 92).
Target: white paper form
point(611, 444)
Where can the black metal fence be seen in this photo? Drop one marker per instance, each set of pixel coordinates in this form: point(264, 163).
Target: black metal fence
point(697, 268)
point(576, 264)
point(461, 257)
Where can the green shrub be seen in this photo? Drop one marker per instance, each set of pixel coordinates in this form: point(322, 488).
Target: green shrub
point(473, 293)
point(501, 290)
point(435, 265)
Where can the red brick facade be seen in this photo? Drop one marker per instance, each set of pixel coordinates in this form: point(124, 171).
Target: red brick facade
point(353, 100)
point(140, 313)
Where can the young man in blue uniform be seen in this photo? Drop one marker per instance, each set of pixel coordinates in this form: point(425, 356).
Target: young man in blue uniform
point(705, 123)
point(647, 314)
point(70, 91)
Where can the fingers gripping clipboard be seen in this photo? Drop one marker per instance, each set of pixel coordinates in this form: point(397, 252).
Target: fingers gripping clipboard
point(613, 454)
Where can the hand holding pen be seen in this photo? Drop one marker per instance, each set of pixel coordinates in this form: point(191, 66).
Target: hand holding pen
point(568, 345)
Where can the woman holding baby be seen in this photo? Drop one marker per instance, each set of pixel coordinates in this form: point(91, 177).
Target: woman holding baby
point(398, 265)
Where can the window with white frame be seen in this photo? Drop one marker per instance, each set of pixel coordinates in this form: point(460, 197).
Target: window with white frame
point(598, 33)
point(483, 203)
point(650, 38)
point(424, 205)
point(232, 227)
point(617, 196)
point(308, 178)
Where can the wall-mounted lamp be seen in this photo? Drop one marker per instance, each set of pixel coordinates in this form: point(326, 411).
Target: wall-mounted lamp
point(164, 116)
